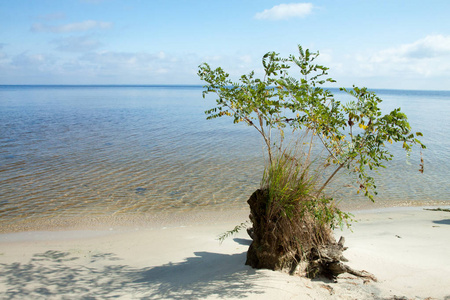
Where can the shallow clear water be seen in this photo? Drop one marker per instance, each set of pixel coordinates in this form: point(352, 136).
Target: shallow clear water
point(93, 151)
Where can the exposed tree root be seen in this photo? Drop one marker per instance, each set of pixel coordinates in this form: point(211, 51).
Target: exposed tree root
point(328, 261)
point(303, 248)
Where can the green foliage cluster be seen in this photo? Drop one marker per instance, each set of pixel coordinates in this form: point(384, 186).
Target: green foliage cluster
point(354, 135)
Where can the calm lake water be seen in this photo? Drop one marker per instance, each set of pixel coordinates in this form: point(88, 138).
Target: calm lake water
point(70, 151)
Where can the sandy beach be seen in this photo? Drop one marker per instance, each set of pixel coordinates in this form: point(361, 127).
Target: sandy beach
point(407, 249)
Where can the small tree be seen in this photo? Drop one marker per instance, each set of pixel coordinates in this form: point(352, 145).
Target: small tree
point(291, 215)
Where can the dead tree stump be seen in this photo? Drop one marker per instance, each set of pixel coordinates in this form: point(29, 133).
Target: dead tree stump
point(287, 246)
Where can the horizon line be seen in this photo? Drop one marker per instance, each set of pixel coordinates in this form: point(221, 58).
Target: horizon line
point(180, 85)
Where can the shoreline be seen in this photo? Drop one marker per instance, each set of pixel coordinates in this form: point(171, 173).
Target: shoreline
point(406, 248)
point(158, 219)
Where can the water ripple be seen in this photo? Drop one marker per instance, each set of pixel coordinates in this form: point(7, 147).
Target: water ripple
point(87, 152)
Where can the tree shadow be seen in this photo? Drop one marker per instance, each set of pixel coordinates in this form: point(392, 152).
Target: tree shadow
point(206, 274)
point(442, 222)
point(244, 242)
point(56, 273)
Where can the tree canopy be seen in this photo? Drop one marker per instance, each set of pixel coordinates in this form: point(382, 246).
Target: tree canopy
point(354, 134)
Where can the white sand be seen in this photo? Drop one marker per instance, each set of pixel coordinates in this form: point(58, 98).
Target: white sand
point(408, 250)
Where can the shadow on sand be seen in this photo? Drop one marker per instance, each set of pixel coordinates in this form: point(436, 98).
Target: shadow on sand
point(244, 242)
point(61, 274)
point(442, 222)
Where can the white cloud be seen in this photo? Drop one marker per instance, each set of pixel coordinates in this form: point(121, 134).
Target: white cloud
point(162, 55)
point(77, 44)
point(72, 27)
point(138, 67)
point(52, 16)
point(246, 59)
point(31, 61)
point(122, 60)
point(429, 47)
point(285, 11)
point(420, 64)
point(92, 1)
point(98, 67)
point(429, 56)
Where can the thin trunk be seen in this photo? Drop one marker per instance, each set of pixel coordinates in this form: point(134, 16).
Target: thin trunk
point(309, 153)
point(266, 138)
point(329, 179)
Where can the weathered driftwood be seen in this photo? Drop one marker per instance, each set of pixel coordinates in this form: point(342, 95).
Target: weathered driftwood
point(278, 250)
point(438, 209)
point(328, 261)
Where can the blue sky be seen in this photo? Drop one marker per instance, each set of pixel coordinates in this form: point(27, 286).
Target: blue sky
point(379, 44)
